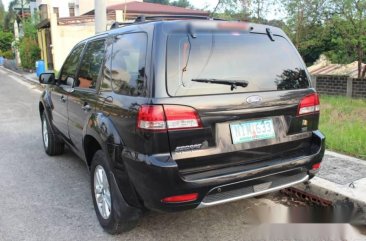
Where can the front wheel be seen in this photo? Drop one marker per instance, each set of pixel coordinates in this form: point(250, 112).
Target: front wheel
point(113, 213)
point(52, 144)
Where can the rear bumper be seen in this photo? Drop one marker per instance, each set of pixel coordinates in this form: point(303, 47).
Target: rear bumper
point(156, 177)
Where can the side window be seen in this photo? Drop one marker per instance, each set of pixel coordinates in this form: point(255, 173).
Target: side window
point(106, 84)
point(70, 66)
point(91, 64)
point(128, 64)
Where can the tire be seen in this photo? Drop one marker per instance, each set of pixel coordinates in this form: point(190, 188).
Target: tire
point(118, 216)
point(52, 144)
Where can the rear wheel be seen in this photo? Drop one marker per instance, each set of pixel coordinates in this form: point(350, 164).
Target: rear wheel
point(113, 213)
point(52, 144)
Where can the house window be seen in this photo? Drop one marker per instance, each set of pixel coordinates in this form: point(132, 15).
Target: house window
point(55, 10)
point(72, 12)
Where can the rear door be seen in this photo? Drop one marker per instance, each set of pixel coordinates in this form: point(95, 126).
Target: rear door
point(83, 98)
point(241, 123)
point(62, 90)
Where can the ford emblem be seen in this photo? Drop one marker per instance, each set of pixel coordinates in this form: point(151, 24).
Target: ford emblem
point(254, 99)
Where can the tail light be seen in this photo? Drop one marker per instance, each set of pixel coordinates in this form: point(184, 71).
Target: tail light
point(181, 198)
point(316, 166)
point(167, 117)
point(151, 117)
point(310, 104)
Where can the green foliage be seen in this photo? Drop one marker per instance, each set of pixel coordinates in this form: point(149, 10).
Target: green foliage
point(349, 32)
point(29, 52)
point(12, 15)
point(7, 54)
point(231, 10)
point(305, 26)
point(29, 29)
point(2, 15)
point(165, 2)
point(248, 10)
point(181, 3)
point(5, 41)
point(28, 46)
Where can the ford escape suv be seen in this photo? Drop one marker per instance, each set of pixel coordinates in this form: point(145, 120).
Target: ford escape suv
point(176, 114)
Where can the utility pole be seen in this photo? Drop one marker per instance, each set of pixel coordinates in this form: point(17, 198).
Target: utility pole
point(16, 33)
point(100, 14)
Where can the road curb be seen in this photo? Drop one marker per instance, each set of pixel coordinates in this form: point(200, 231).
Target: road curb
point(23, 77)
point(354, 192)
point(320, 187)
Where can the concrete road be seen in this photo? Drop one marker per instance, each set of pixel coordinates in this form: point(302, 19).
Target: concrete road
point(48, 198)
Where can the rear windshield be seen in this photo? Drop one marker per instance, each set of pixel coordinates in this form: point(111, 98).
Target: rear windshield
point(254, 59)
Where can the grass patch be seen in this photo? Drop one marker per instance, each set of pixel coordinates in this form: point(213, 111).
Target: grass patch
point(343, 121)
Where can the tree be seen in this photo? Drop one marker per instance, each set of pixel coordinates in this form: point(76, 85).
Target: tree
point(305, 25)
point(349, 24)
point(181, 3)
point(2, 15)
point(165, 2)
point(28, 46)
point(6, 38)
point(13, 15)
point(259, 10)
point(249, 10)
point(232, 9)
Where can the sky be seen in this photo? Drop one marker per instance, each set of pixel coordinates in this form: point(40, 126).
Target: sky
point(6, 4)
point(203, 3)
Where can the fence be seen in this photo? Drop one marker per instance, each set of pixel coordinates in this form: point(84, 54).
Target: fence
point(10, 64)
point(340, 85)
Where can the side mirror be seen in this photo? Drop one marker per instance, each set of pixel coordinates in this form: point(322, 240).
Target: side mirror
point(47, 78)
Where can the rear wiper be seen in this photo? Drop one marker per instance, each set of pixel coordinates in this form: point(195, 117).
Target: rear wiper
point(233, 83)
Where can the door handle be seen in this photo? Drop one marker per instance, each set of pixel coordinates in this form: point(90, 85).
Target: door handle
point(86, 107)
point(63, 99)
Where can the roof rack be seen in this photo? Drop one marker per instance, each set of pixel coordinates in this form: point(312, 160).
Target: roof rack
point(143, 18)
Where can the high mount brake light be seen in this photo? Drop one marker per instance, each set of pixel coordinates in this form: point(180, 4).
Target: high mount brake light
point(167, 117)
point(310, 104)
point(240, 26)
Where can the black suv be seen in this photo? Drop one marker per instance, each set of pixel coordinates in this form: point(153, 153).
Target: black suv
point(175, 114)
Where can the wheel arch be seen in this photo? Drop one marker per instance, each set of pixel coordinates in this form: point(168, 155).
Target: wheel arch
point(101, 134)
point(41, 109)
point(91, 146)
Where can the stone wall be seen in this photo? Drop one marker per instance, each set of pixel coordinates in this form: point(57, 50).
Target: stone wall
point(331, 85)
point(340, 85)
point(359, 88)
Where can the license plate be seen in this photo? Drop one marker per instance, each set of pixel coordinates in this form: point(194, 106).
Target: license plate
point(252, 131)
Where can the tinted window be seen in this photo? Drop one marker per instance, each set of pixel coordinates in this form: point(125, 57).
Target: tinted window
point(91, 64)
point(254, 58)
point(128, 64)
point(71, 64)
point(106, 84)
